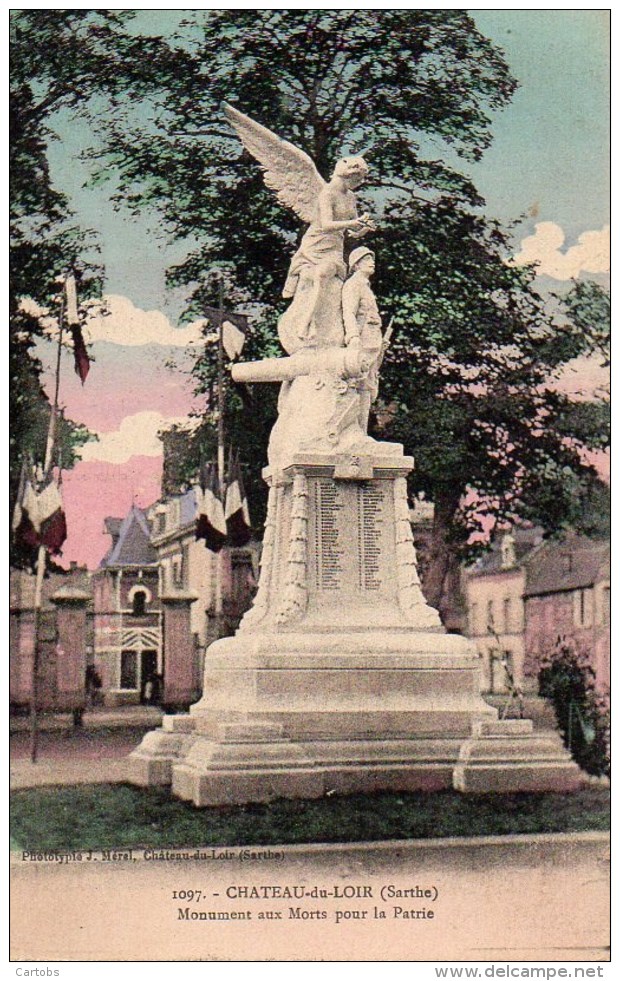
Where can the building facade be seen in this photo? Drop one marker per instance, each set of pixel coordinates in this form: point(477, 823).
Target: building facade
point(128, 612)
point(567, 596)
point(137, 628)
point(155, 602)
point(186, 564)
point(494, 591)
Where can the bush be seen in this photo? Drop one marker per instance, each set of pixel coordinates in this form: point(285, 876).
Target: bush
point(566, 678)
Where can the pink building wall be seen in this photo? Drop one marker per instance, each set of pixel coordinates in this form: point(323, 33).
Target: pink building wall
point(551, 616)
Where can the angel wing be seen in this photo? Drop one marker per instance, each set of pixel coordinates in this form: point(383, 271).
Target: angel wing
point(287, 170)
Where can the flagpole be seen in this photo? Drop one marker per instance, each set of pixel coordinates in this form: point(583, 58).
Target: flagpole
point(219, 559)
point(38, 590)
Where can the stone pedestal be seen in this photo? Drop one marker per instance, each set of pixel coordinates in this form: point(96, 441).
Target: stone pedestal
point(340, 678)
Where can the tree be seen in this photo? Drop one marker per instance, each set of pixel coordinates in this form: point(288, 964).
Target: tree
point(465, 384)
point(59, 59)
point(567, 679)
point(588, 305)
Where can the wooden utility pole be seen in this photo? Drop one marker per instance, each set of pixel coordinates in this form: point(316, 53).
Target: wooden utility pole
point(221, 436)
point(38, 591)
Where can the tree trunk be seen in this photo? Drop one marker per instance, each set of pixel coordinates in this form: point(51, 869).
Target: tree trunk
point(442, 561)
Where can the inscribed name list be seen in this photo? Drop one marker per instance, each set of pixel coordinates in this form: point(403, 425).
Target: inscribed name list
point(353, 535)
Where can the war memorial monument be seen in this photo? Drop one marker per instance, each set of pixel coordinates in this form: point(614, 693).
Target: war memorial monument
point(340, 678)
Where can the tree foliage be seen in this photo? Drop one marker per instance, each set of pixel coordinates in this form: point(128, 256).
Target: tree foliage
point(588, 306)
point(58, 60)
point(566, 678)
point(466, 383)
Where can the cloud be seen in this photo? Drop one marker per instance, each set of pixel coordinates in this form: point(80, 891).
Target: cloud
point(124, 323)
point(589, 255)
point(117, 320)
point(136, 436)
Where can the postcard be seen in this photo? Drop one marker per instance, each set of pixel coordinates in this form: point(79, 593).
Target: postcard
point(310, 555)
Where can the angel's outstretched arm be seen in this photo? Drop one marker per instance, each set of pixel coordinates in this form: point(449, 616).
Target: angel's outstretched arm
point(327, 220)
point(362, 226)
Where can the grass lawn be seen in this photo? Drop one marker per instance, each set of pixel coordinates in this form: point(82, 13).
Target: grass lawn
point(117, 815)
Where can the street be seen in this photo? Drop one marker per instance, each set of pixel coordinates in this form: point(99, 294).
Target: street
point(66, 756)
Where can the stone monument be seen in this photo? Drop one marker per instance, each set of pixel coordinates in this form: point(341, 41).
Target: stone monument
point(340, 678)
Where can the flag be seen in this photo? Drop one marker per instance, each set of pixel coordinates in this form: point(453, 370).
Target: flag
point(80, 354)
point(25, 515)
point(238, 525)
point(210, 523)
point(39, 517)
point(234, 328)
point(73, 316)
point(53, 524)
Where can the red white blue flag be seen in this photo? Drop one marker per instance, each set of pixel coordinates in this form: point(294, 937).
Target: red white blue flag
point(238, 525)
point(210, 522)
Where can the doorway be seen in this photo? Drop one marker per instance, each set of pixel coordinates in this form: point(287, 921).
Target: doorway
point(148, 670)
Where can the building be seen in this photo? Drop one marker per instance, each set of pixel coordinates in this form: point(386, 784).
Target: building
point(186, 564)
point(567, 595)
point(155, 598)
point(141, 622)
point(494, 593)
point(127, 611)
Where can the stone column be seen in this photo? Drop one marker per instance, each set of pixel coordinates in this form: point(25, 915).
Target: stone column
point(71, 604)
point(178, 646)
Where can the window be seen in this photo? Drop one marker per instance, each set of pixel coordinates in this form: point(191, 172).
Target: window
point(507, 615)
point(473, 618)
point(502, 671)
point(129, 670)
point(582, 607)
point(161, 522)
point(139, 603)
point(490, 616)
point(177, 570)
point(606, 604)
point(242, 580)
point(509, 557)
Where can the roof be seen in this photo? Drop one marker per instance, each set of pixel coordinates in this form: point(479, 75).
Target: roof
point(574, 562)
point(525, 540)
point(179, 519)
point(133, 545)
point(188, 502)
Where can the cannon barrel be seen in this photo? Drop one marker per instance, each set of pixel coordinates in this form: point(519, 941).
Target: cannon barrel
point(338, 361)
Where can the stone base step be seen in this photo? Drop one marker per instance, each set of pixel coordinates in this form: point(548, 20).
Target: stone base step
point(256, 762)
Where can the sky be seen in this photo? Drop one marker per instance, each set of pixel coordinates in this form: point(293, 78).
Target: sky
point(549, 162)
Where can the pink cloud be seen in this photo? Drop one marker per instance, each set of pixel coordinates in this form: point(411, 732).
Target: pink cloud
point(122, 382)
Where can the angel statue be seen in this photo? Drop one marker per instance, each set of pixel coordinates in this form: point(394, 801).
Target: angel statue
point(317, 270)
